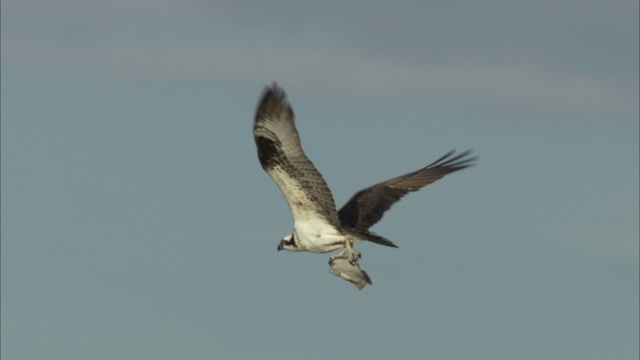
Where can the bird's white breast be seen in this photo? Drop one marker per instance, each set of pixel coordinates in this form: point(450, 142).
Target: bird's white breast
point(316, 235)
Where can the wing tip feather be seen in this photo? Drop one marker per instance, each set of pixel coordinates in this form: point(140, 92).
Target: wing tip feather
point(457, 162)
point(273, 100)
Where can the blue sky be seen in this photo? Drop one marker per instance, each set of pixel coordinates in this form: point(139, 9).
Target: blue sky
point(138, 224)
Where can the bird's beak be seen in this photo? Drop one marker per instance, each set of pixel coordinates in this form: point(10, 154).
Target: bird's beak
point(279, 246)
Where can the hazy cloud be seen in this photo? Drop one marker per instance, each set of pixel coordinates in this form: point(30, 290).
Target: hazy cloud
point(344, 71)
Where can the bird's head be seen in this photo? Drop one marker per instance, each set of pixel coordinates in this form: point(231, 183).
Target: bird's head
point(288, 243)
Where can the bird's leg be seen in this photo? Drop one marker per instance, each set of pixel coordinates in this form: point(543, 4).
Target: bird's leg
point(354, 254)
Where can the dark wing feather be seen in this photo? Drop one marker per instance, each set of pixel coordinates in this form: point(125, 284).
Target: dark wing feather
point(282, 157)
point(367, 206)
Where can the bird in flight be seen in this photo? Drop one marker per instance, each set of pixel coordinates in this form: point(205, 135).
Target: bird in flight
point(317, 225)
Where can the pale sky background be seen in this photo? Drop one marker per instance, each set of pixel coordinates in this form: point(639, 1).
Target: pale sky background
point(137, 222)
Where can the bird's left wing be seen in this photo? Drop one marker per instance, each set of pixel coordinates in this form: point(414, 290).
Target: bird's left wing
point(282, 157)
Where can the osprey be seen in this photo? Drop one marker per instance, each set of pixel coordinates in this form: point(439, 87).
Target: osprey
point(317, 225)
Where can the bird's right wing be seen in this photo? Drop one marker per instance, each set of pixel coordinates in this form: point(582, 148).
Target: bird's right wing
point(368, 206)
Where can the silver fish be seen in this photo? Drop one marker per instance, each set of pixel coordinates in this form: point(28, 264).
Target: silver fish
point(343, 268)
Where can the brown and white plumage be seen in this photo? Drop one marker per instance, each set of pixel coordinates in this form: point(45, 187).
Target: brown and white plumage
point(318, 227)
point(282, 157)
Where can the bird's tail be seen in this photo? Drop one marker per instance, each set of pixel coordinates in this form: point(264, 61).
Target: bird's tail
point(370, 236)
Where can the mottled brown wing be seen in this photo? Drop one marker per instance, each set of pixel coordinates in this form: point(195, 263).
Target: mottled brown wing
point(368, 206)
point(281, 156)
